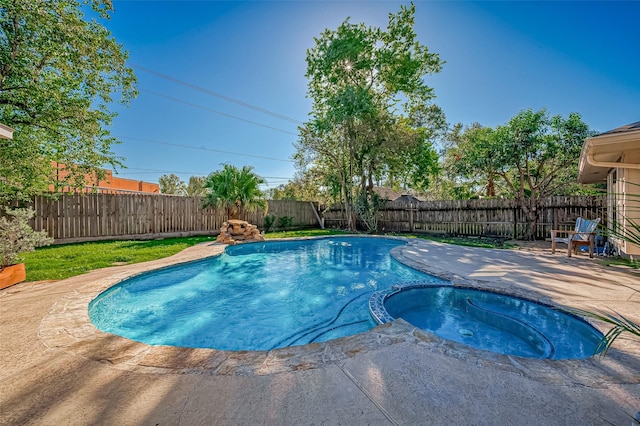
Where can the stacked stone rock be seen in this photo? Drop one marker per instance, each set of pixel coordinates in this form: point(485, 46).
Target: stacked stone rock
point(238, 231)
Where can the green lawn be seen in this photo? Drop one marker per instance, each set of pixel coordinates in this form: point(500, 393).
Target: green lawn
point(63, 261)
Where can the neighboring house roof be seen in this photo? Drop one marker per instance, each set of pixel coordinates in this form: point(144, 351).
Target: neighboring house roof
point(623, 129)
point(6, 132)
point(386, 193)
point(111, 183)
point(408, 198)
point(603, 152)
point(391, 195)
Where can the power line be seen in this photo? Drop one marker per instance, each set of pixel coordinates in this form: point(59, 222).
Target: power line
point(218, 95)
point(214, 111)
point(153, 171)
point(200, 148)
point(150, 171)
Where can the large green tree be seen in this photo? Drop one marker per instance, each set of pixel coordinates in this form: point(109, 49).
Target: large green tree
point(59, 72)
point(469, 155)
point(196, 186)
point(534, 154)
point(172, 185)
point(371, 108)
point(303, 187)
point(235, 190)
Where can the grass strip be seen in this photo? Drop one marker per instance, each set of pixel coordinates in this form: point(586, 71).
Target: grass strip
point(67, 260)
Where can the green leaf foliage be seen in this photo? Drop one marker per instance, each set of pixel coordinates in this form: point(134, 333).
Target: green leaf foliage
point(620, 324)
point(235, 190)
point(196, 186)
point(303, 187)
point(172, 185)
point(534, 155)
point(372, 117)
point(59, 72)
point(17, 237)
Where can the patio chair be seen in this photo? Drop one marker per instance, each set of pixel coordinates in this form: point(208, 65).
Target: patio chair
point(583, 235)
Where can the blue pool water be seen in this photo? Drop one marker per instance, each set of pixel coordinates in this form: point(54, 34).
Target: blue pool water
point(493, 322)
point(256, 296)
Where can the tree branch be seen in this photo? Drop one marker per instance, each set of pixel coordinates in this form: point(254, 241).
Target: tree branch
point(14, 52)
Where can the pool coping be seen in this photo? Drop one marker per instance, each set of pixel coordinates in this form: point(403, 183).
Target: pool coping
point(67, 328)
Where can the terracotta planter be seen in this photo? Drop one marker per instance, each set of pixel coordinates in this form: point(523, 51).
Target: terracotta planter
point(10, 275)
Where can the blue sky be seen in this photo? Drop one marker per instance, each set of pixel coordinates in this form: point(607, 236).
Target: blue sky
point(501, 58)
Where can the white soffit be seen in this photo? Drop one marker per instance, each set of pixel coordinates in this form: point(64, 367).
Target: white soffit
point(6, 132)
point(606, 148)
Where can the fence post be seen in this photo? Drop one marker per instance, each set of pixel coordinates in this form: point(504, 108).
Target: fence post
point(320, 221)
point(410, 217)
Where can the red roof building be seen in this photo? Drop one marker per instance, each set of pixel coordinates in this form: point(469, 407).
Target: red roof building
point(110, 184)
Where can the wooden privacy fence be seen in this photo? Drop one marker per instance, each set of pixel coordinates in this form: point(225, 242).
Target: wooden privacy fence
point(486, 217)
point(87, 217)
point(78, 217)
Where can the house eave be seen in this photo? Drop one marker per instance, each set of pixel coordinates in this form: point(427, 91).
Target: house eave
point(603, 152)
point(6, 132)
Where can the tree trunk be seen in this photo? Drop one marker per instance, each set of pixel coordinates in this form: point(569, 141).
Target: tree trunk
point(533, 214)
point(346, 201)
point(491, 187)
point(533, 223)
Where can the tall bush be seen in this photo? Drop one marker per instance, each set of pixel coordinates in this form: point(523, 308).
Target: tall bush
point(17, 237)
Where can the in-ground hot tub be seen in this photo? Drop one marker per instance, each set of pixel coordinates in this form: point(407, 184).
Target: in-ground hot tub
point(488, 320)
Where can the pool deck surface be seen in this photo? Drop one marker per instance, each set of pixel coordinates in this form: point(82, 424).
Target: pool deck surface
point(56, 368)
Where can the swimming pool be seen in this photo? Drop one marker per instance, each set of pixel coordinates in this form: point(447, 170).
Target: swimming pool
point(487, 320)
point(257, 296)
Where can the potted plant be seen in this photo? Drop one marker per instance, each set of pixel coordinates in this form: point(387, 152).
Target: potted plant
point(17, 237)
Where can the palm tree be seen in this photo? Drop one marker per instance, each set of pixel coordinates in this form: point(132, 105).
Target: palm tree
point(235, 190)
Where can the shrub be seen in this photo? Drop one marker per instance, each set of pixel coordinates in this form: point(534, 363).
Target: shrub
point(17, 237)
point(285, 222)
point(269, 220)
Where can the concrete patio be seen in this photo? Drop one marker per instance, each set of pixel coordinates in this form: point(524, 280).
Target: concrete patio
point(58, 369)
